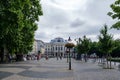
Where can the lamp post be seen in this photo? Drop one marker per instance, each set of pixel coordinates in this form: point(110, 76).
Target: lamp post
point(69, 45)
point(67, 51)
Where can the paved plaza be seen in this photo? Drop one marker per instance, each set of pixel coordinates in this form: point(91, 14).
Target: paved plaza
point(51, 69)
point(54, 69)
point(91, 71)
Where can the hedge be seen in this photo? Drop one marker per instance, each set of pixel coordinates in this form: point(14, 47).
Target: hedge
point(114, 59)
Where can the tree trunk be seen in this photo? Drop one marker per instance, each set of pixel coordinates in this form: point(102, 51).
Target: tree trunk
point(78, 57)
point(107, 61)
point(110, 61)
point(2, 54)
point(85, 57)
point(19, 57)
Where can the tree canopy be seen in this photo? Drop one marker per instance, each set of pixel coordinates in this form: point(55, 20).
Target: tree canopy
point(83, 45)
point(17, 24)
point(106, 44)
point(115, 14)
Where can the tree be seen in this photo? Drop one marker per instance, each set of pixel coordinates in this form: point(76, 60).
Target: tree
point(94, 48)
point(106, 45)
point(116, 51)
point(115, 14)
point(78, 48)
point(83, 46)
point(8, 27)
point(17, 28)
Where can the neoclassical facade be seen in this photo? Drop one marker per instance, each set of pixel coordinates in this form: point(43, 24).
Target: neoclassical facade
point(56, 47)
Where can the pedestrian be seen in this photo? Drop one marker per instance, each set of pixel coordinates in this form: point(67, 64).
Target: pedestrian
point(38, 57)
point(60, 57)
point(46, 57)
point(9, 58)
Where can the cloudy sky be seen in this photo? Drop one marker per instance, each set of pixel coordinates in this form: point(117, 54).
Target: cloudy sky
point(74, 18)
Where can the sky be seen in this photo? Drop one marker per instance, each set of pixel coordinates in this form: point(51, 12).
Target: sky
point(74, 18)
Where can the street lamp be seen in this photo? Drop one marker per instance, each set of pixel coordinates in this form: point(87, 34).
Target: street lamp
point(67, 51)
point(69, 45)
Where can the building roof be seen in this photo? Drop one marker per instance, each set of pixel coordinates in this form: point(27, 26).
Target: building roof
point(40, 41)
point(58, 39)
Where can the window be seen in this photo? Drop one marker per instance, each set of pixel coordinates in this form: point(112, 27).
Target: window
point(56, 47)
point(53, 48)
point(61, 48)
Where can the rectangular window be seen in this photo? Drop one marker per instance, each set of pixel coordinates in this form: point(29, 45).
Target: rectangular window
point(61, 47)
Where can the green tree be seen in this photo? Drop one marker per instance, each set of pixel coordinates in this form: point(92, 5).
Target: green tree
point(94, 48)
point(78, 48)
point(17, 24)
point(83, 46)
point(116, 51)
point(115, 14)
point(106, 44)
point(8, 26)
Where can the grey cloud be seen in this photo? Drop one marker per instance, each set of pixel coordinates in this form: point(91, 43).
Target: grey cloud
point(54, 15)
point(57, 27)
point(38, 35)
point(98, 9)
point(114, 31)
point(85, 31)
point(77, 23)
point(41, 35)
point(53, 1)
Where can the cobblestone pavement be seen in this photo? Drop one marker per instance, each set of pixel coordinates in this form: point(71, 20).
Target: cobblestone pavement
point(51, 69)
point(54, 69)
point(91, 71)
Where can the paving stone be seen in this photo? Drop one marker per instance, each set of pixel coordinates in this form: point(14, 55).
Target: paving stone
point(23, 67)
point(5, 74)
point(53, 69)
point(47, 74)
point(12, 70)
point(37, 70)
point(90, 71)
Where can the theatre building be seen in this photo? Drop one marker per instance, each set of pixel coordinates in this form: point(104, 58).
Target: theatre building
point(56, 47)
